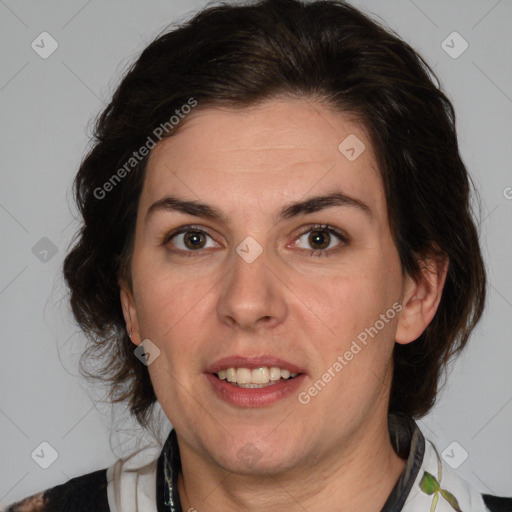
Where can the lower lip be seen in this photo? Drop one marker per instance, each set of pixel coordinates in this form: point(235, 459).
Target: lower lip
point(254, 397)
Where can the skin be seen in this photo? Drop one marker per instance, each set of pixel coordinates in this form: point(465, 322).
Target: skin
point(305, 309)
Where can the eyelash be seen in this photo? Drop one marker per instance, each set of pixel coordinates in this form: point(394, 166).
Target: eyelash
point(343, 238)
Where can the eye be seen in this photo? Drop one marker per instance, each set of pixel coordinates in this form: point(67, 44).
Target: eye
point(322, 238)
point(189, 239)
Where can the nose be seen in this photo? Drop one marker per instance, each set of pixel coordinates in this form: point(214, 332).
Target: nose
point(252, 296)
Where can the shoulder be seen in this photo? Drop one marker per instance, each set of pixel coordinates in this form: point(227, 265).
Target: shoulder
point(497, 504)
point(438, 485)
point(83, 493)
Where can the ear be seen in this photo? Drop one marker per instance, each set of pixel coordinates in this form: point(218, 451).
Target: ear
point(130, 312)
point(421, 299)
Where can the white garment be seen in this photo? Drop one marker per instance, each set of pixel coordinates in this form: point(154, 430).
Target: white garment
point(132, 482)
point(468, 498)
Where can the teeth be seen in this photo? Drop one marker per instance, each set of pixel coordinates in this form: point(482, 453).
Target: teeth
point(258, 377)
point(275, 373)
point(244, 376)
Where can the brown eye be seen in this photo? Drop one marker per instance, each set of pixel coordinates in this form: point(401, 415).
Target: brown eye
point(188, 240)
point(322, 240)
point(319, 239)
point(194, 239)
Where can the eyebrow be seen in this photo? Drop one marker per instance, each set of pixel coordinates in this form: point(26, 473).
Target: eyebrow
point(311, 205)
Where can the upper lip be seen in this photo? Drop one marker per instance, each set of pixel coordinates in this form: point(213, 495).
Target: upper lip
point(251, 363)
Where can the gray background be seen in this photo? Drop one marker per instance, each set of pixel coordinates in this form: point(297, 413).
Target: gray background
point(46, 107)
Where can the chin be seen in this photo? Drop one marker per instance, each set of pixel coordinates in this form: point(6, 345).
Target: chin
point(250, 455)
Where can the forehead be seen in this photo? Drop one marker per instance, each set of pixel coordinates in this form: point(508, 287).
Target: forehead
point(278, 150)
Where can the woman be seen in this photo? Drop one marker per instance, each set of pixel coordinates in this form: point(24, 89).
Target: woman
point(238, 151)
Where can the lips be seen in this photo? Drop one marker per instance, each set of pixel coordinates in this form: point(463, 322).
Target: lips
point(254, 398)
point(252, 363)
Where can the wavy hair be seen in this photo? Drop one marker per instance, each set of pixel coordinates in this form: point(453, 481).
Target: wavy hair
point(237, 56)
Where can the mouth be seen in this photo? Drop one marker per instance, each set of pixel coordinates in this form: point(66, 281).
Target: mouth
point(260, 371)
point(255, 378)
point(255, 381)
point(251, 395)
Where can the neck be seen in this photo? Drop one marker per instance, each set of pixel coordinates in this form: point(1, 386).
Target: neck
point(356, 476)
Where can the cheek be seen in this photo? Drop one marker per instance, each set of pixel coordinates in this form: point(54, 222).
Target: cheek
point(169, 303)
point(170, 312)
point(351, 305)
point(358, 344)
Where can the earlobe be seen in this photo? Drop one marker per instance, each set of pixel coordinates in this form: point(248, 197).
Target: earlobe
point(129, 313)
point(421, 299)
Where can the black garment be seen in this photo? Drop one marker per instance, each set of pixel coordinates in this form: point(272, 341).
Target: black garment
point(497, 504)
point(86, 493)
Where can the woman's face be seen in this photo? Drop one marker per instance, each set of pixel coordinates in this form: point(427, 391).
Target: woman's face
point(246, 284)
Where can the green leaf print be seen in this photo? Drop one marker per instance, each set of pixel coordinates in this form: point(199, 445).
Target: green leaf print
point(451, 499)
point(429, 485)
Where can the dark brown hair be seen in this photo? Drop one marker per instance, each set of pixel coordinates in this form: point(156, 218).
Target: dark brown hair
point(238, 56)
